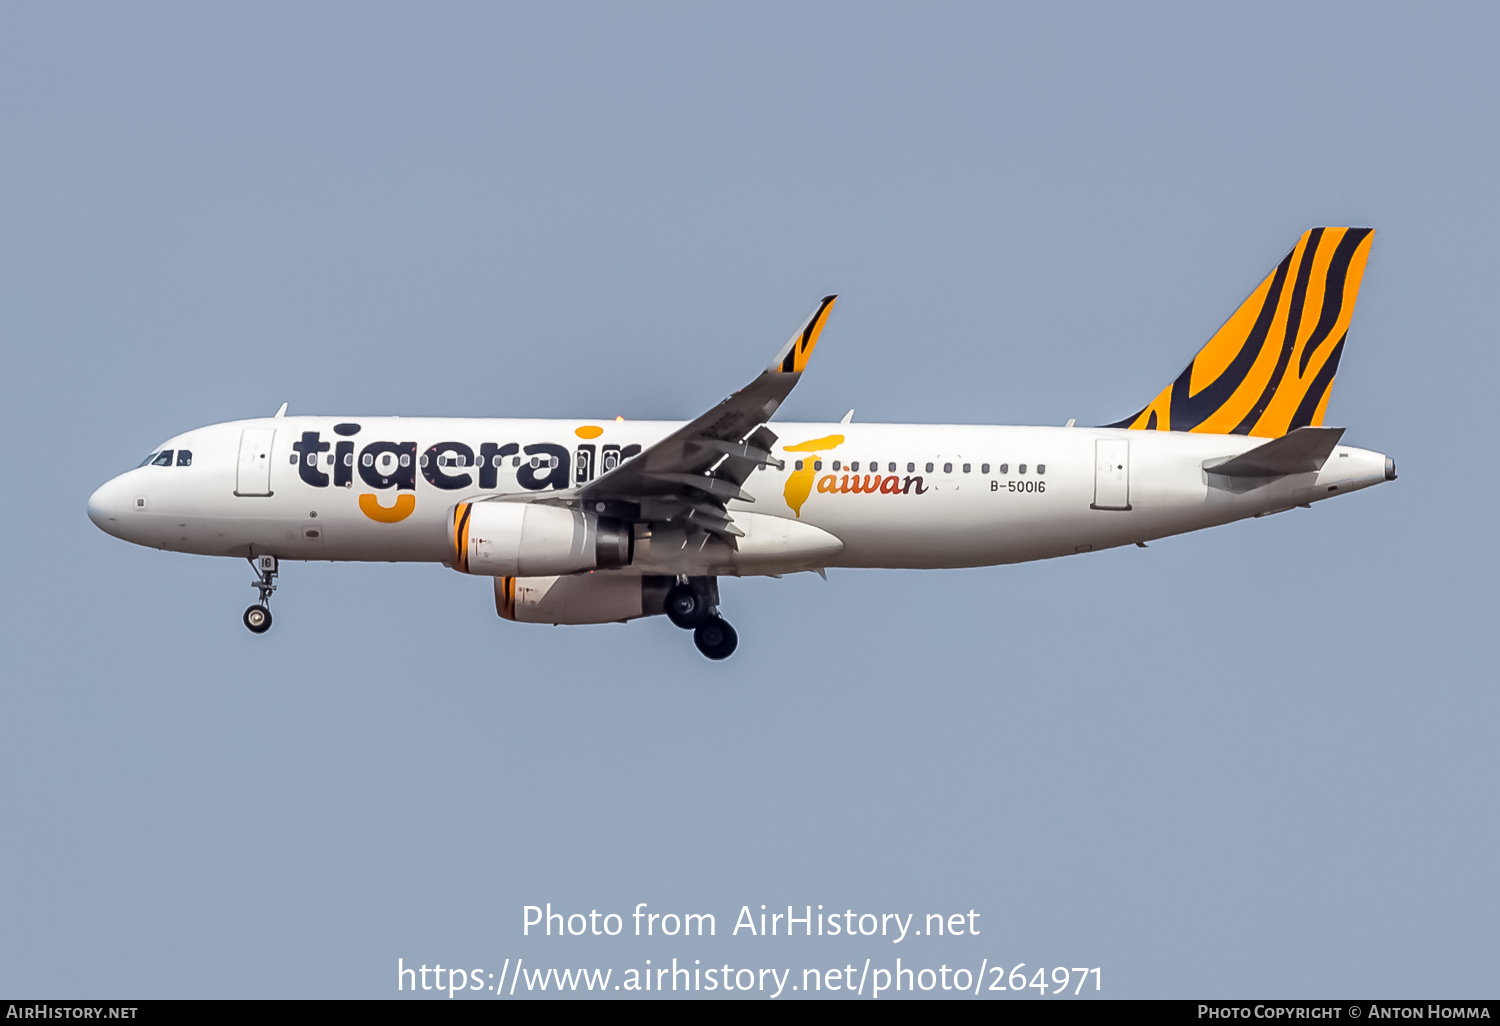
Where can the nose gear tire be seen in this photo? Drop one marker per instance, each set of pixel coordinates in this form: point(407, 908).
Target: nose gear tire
point(258, 619)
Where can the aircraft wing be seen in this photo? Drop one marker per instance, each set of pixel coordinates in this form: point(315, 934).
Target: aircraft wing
point(691, 474)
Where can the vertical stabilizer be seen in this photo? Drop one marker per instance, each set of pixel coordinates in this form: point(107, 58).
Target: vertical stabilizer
point(1269, 370)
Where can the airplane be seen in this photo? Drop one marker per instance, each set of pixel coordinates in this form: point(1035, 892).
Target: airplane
point(583, 521)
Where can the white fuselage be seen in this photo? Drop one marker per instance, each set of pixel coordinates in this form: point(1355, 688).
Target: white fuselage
point(942, 496)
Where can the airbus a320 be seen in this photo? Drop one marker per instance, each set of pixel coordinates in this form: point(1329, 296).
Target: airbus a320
point(583, 521)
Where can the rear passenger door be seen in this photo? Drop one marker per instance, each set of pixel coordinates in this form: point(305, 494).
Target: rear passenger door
point(1111, 474)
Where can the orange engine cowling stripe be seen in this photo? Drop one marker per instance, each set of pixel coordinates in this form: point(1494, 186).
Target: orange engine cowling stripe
point(461, 535)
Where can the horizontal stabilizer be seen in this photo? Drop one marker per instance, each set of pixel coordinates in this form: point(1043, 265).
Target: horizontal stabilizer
point(1302, 451)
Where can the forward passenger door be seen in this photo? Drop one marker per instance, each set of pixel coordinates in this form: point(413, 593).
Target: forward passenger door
point(254, 474)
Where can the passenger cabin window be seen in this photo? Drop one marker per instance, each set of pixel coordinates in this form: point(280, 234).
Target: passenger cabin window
point(184, 457)
point(966, 468)
point(929, 468)
point(984, 468)
point(854, 466)
point(817, 464)
point(1005, 468)
point(947, 468)
point(911, 468)
point(836, 465)
point(890, 468)
point(163, 459)
point(799, 464)
point(1021, 469)
point(1041, 468)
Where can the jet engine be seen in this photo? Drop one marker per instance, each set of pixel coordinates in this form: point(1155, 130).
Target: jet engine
point(583, 598)
point(527, 539)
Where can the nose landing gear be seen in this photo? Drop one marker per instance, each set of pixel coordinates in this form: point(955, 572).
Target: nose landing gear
point(258, 616)
point(693, 605)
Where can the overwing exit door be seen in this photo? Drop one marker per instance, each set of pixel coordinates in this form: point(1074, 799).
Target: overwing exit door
point(1111, 474)
point(254, 475)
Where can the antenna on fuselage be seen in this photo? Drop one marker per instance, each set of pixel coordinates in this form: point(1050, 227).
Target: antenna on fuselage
point(281, 412)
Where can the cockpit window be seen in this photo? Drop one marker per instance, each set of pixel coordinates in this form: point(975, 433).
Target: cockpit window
point(185, 457)
point(147, 460)
point(163, 459)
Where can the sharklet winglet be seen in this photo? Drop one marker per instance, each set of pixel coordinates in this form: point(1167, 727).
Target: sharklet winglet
point(792, 359)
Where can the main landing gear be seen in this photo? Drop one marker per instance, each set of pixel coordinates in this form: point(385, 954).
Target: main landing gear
point(258, 616)
point(693, 604)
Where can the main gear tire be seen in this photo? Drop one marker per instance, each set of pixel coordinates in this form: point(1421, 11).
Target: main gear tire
point(686, 606)
point(715, 638)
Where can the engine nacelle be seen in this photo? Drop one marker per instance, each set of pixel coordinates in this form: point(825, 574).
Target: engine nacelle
point(584, 598)
point(527, 539)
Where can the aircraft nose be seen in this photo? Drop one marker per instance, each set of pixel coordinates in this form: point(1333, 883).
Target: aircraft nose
point(108, 506)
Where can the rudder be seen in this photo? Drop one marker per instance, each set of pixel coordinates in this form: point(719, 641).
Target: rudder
point(1270, 368)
